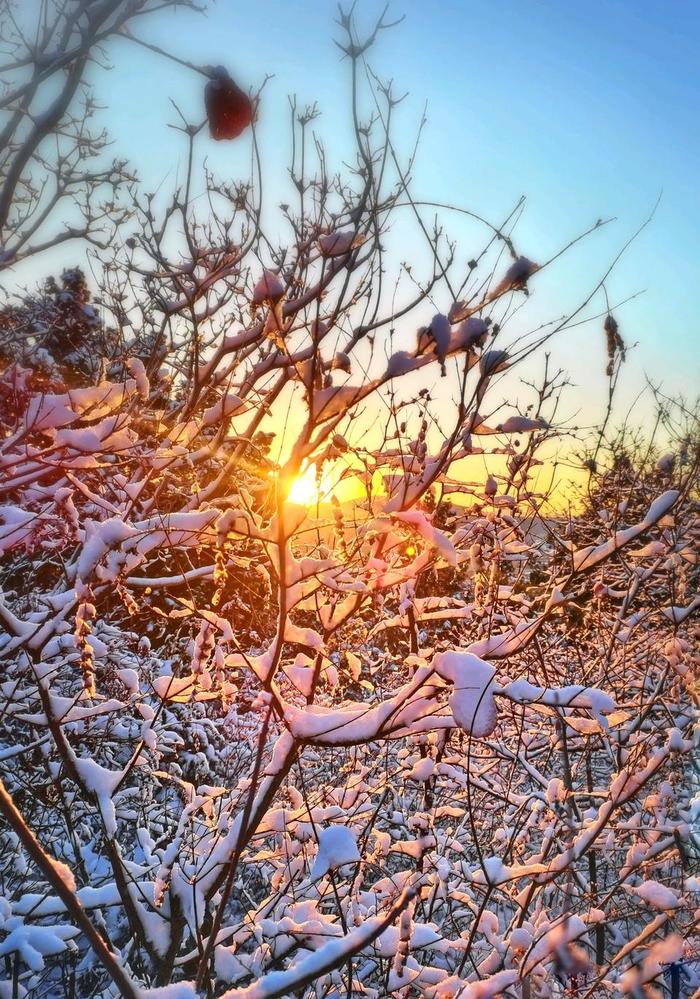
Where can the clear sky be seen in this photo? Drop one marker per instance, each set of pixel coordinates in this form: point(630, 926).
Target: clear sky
point(590, 109)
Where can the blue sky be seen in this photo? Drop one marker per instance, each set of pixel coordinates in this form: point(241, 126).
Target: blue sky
point(588, 109)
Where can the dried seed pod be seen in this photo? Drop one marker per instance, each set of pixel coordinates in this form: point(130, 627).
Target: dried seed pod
point(614, 342)
point(229, 110)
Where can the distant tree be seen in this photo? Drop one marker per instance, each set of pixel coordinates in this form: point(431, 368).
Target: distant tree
point(59, 332)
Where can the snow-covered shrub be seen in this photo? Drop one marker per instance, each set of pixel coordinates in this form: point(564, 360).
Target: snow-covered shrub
point(250, 746)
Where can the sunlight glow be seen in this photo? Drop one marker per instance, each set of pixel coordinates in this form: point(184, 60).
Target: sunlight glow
point(307, 490)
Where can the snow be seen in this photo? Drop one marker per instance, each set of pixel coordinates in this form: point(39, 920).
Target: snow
point(521, 425)
point(492, 986)
point(492, 871)
point(49, 412)
point(301, 674)
point(106, 435)
point(507, 643)
point(587, 558)
point(342, 362)
point(571, 696)
point(517, 275)
point(330, 955)
point(492, 361)
point(556, 791)
point(665, 463)
point(340, 242)
point(354, 664)
point(400, 363)
point(470, 333)
point(678, 614)
point(422, 770)
point(34, 943)
point(102, 783)
point(7, 986)
point(440, 332)
point(130, 679)
point(174, 687)
point(227, 406)
point(136, 369)
point(472, 702)
point(302, 636)
point(656, 895)
point(337, 846)
point(173, 530)
point(101, 538)
point(335, 400)
point(355, 722)
point(16, 527)
point(178, 990)
point(268, 288)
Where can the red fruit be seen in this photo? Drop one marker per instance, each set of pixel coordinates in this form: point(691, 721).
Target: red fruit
point(229, 109)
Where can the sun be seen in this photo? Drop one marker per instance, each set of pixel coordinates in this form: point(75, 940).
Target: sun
point(307, 490)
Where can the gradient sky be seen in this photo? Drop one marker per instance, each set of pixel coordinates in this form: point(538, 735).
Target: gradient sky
point(590, 110)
